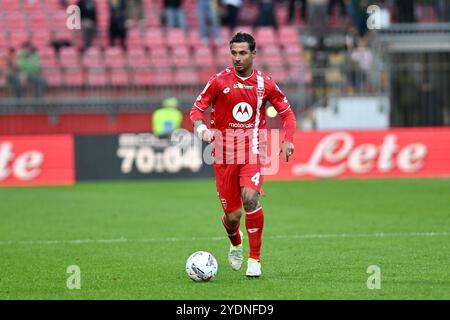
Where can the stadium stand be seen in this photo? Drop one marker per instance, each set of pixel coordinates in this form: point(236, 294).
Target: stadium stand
point(43, 23)
point(161, 61)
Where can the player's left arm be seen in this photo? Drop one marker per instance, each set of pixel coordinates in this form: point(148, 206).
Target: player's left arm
point(283, 107)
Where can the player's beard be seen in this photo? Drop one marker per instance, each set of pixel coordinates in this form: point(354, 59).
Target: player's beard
point(242, 69)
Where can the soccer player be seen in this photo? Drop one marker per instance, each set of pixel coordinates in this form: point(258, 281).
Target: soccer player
point(238, 96)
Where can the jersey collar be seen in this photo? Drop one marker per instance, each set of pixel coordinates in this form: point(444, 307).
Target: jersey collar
point(246, 78)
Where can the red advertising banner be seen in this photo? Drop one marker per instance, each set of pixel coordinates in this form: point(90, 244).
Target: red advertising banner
point(415, 152)
point(36, 160)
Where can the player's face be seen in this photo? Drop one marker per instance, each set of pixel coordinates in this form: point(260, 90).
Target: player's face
point(242, 58)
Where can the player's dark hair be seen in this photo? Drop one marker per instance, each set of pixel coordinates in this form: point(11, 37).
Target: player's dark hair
point(244, 37)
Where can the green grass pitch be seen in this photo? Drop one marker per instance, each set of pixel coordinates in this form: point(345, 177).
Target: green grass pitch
point(131, 240)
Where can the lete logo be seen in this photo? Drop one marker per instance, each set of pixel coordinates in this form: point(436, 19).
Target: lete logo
point(242, 112)
point(338, 150)
point(25, 166)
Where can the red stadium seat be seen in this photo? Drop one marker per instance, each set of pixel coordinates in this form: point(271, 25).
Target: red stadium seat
point(294, 55)
point(58, 20)
point(31, 7)
point(271, 55)
point(288, 35)
point(181, 56)
point(96, 77)
point(118, 77)
point(48, 57)
point(299, 74)
point(278, 74)
point(16, 22)
point(246, 29)
point(92, 57)
point(159, 56)
point(10, 6)
point(271, 50)
point(18, 38)
point(162, 76)
point(136, 57)
point(134, 39)
point(64, 34)
point(223, 57)
point(186, 77)
point(52, 5)
point(265, 36)
point(226, 34)
point(4, 42)
point(142, 76)
point(203, 57)
point(53, 76)
point(39, 21)
point(176, 37)
point(114, 57)
point(154, 38)
point(194, 39)
point(272, 61)
point(68, 57)
point(74, 77)
point(41, 38)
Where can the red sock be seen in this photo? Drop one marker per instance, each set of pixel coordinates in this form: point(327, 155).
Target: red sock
point(254, 223)
point(233, 233)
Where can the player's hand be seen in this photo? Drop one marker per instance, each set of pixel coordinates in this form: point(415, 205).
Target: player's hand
point(287, 148)
point(205, 134)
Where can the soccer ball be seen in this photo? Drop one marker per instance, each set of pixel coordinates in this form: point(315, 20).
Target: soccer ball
point(201, 266)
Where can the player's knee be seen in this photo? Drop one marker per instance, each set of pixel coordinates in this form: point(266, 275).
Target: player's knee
point(233, 217)
point(250, 203)
point(250, 199)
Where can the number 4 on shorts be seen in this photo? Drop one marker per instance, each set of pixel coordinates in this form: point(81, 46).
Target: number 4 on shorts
point(255, 178)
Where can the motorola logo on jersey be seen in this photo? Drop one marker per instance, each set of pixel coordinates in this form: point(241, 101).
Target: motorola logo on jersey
point(242, 112)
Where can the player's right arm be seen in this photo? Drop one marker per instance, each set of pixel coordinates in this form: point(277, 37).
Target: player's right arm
point(204, 100)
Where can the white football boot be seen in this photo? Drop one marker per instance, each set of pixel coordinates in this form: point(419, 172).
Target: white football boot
point(236, 255)
point(253, 268)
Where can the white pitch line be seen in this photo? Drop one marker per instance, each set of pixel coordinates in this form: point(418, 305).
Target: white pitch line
point(174, 239)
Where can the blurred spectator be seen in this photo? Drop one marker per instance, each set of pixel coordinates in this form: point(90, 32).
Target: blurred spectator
point(442, 8)
point(8, 68)
point(135, 13)
point(317, 13)
point(357, 9)
point(207, 13)
point(232, 15)
point(362, 60)
point(29, 71)
point(342, 8)
point(174, 14)
point(351, 38)
point(292, 10)
point(266, 14)
point(88, 12)
point(406, 11)
point(168, 118)
point(117, 22)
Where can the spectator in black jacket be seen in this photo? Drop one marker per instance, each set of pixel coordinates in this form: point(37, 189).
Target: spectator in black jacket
point(88, 12)
point(117, 22)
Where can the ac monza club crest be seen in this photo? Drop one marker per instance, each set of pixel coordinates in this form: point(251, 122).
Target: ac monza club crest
point(260, 92)
point(242, 112)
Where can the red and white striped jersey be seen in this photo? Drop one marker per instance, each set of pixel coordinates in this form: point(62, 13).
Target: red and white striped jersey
point(240, 103)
